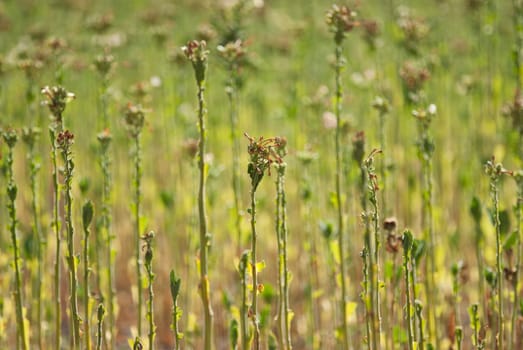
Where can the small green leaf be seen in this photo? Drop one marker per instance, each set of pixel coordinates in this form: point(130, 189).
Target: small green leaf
point(510, 240)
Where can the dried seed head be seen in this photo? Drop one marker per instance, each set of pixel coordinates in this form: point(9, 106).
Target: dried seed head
point(56, 44)
point(65, 139)
point(414, 30)
point(104, 138)
point(56, 99)
point(495, 170)
point(30, 66)
point(30, 135)
point(371, 30)
point(233, 52)
point(100, 23)
point(514, 111)
point(340, 20)
point(104, 64)
point(381, 104)
point(10, 137)
point(413, 76)
point(141, 90)
point(134, 116)
point(425, 115)
point(190, 147)
point(390, 224)
point(307, 156)
point(358, 147)
point(206, 32)
point(393, 243)
point(197, 53)
point(263, 153)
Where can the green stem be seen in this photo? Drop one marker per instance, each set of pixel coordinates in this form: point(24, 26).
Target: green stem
point(499, 271)
point(56, 228)
point(341, 245)
point(281, 282)
point(99, 336)
point(68, 176)
point(406, 261)
point(150, 304)
point(106, 224)
point(11, 207)
point(233, 123)
point(244, 307)
point(87, 271)
point(137, 222)
point(204, 235)
point(286, 274)
point(254, 307)
point(515, 285)
point(40, 241)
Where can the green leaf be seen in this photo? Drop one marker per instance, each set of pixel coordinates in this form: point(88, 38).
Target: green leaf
point(87, 214)
point(510, 240)
point(476, 209)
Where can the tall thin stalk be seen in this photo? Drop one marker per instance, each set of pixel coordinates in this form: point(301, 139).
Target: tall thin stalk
point(456, 275)
point(64, 141)
point(285, 313)
point(234, 55)
point(418, 308)
point(175, 284)
point(476, 213)
point(373, 188)
point(30, 137)
point(148, 238)
point(197, 53)
point(310, 245)
point(99, 328)
point(408, 241)
point(495, 171)
point(475, 325)
point(135, 118)
point(254, 303)
point(104, 65)
point(515, 284)
point(10, 137)
point(244, 327)
point(56, 99)
point(425, 145)
point(340, 20)
point(262, 153)
point(87, 217)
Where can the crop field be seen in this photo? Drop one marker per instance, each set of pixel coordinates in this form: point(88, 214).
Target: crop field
point(261, 174)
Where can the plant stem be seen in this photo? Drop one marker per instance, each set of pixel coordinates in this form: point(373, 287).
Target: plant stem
point(40, 239)
point(375, 267)
point(204, 235)
point(71, 259)
point(87, 215)
point(494, 177)
point(341, 245)
point(99, 336)
point(254, 307)
point(56, 226)
point(287, 313)
point(175, 284)
point(150, 277)
point(232, 94)
point(279, 239)
point(10, 138)
point(137, 222)
point(407, 247)
point(515, 283)
point(105, 163)
point(243, 266)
